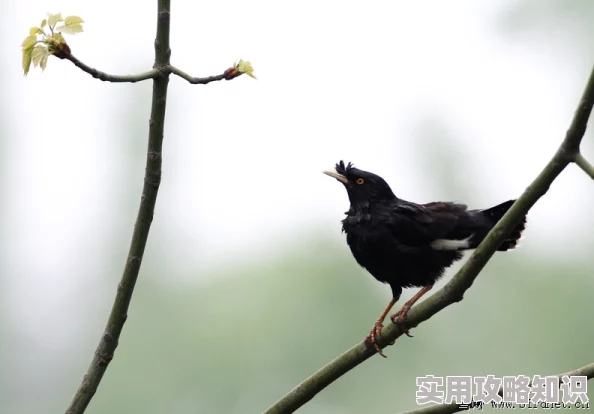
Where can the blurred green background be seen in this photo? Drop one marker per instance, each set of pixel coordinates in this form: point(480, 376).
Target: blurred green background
point(231, 329)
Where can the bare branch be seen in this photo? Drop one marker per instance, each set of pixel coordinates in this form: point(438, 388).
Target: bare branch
point(584, 165)
point(587, 371)
point(229, 74)
point(454, 290)
point(109, 339)
point(198, 81)
point(151, 74)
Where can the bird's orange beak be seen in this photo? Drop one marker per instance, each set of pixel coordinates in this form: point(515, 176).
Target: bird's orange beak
point(334, 174)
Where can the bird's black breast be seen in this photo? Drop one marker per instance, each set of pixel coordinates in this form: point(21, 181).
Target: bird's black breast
point(395, 250)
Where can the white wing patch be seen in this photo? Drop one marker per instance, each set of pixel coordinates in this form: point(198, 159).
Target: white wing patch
point(448, 244)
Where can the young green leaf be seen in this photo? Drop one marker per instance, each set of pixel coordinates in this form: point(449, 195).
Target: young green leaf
point(43, 62)
point(43, 23)
point(70, 20)
point(29, 42)
point(72, 25)
point(73, 29)
point(245, 67)
point(52, 19)
point(59, 38)
point(39, 52)
point(35, 31)
point(53, 41)
point(26, 60)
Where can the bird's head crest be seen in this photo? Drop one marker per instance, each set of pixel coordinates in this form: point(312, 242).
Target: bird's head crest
point(342, 169)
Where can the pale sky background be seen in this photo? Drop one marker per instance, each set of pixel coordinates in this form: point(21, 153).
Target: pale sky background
point(242, 160)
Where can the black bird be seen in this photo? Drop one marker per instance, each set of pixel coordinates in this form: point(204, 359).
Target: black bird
point(405, 244)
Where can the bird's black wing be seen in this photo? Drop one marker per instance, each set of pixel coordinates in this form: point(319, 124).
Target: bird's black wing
point(418, 225)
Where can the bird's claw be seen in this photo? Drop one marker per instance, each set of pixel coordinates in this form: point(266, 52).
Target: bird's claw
point(374, 335)
point(398, 319)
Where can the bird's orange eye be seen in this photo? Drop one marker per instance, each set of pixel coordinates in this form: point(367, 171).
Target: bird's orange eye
point(360, 181)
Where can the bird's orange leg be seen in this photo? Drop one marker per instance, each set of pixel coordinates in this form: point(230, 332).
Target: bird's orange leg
point(399, 317)
point(375, 333)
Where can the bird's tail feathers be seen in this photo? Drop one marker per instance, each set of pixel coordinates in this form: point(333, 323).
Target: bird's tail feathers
point(494, 214)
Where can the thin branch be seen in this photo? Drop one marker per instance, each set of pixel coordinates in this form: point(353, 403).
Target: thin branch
point(109, 339)
point(229, 74)
point(151, 74)
point(584, 165)
point(454, 290)
point(197, 81)
point(587, 371)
